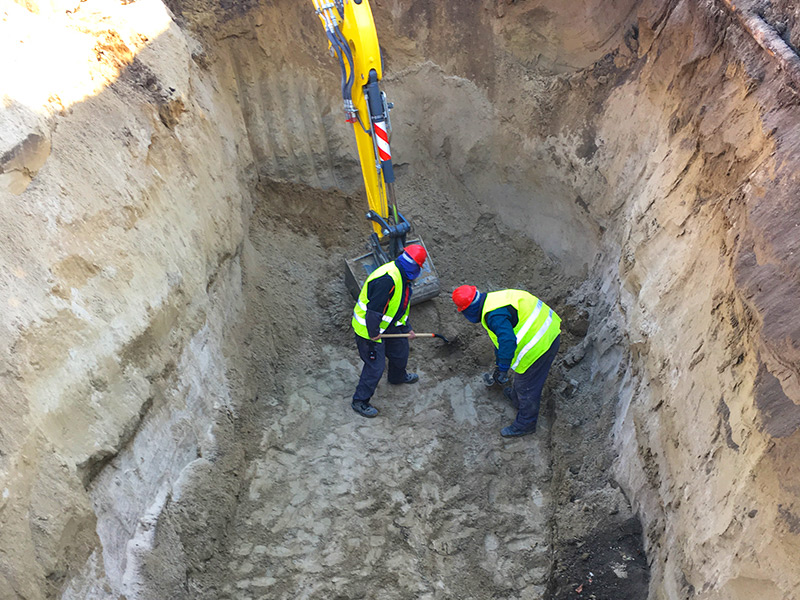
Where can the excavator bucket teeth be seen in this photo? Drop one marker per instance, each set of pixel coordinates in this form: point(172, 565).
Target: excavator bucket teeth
point(426, 286)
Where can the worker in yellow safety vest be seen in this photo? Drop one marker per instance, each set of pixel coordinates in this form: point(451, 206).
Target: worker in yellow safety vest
point(526, 334)
point(382, 307)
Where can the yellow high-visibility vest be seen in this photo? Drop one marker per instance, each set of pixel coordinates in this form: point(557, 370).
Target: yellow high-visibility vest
point(359, 320)
point(537, 326)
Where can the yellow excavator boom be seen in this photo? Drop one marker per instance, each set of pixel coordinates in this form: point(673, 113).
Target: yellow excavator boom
point(352, 22)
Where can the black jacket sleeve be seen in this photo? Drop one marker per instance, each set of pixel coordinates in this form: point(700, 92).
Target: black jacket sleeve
point(379, 294)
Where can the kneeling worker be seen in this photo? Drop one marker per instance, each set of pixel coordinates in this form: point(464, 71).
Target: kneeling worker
point(382, 307)
point(526, 334)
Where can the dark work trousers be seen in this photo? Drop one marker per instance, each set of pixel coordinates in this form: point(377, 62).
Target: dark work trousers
point(527, 391)
point(396, 350)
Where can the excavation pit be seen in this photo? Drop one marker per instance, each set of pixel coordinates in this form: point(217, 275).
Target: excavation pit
point(181, 192)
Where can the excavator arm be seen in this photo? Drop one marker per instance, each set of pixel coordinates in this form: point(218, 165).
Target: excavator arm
point(352, 38)
point(351, 34)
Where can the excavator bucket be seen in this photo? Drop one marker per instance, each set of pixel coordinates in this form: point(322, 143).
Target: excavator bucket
point(426, 286)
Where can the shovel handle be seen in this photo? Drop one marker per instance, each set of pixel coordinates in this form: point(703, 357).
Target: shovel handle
point(405, 335)
point(425, 335)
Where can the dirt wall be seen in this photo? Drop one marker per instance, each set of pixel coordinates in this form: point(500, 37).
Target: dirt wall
point(125, 194)
point(699, 416)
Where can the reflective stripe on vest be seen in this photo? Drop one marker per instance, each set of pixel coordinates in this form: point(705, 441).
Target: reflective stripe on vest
point(537, 325)
point(359, 320)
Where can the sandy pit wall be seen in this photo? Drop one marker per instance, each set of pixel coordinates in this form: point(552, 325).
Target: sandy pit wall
point(125, 194)
point(647, 146)
point(703, 148)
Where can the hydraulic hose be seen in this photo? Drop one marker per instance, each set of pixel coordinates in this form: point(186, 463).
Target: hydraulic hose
point(335, 45)
point(347, 87)
point(340, 46)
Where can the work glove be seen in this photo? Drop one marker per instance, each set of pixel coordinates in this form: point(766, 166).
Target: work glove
point(496, 376)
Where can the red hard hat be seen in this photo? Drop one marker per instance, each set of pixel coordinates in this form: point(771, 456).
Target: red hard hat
point(464, 295)
point(418, 253)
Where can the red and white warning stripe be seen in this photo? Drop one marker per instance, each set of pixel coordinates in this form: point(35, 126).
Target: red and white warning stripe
point(384, 153)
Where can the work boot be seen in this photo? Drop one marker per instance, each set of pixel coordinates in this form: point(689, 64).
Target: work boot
point(511, 397)
point(409, 378)
point(365, 409)
point(512, 431)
